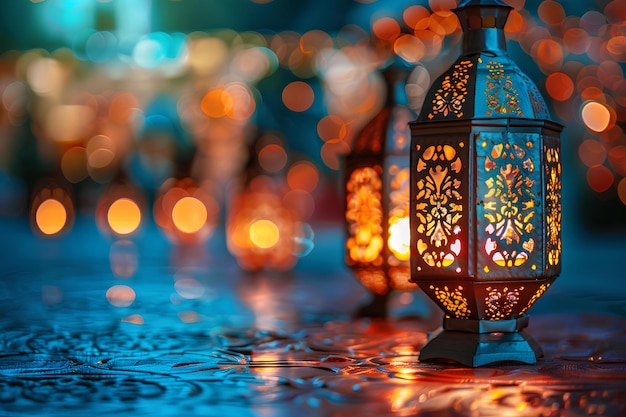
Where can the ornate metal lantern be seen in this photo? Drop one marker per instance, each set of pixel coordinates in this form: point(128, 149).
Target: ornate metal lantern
point(377, 200)
point(485, 197)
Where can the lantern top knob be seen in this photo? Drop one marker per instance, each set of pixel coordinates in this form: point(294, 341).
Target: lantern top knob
point(484, 82)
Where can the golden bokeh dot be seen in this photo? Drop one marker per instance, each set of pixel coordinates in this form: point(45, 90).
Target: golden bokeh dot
point(189, 215)
point(51, 216)
point(596, 116)
point(600, 178)
point(124, 216)
point(264, 234)
point(621, 190)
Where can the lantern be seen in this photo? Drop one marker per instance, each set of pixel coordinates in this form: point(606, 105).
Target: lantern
point(262, 229)
point(376, 176)
point(485, 197)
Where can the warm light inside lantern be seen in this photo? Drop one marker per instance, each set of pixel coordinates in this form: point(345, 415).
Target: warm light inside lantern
point(264, 234)
point(124, 216)
point(189, 215)
point(400, 238)
point(51, 216)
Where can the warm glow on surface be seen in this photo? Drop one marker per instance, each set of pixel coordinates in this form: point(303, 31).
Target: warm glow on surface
point(120, 296)
point(596, 116)
point(51, 216)
point(264, 233)
point(400, 238)
point(189, 215)
point(621, 190)
point(124, 216)
point(217, 103)
point(189, 288)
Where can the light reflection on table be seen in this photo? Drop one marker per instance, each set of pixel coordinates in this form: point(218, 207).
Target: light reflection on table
point(142, 327)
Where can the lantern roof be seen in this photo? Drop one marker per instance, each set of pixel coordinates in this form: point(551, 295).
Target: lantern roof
point(484, 82)
point(386, 133)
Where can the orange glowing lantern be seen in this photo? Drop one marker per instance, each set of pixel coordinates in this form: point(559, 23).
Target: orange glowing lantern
point(186, 211)
point(265, 228)
point(485, 197)
point(260, 230)
point(376, 177)
point(52, 210)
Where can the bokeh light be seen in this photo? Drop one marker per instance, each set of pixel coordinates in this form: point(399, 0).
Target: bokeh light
point(74, 164)
point(189, 215)
point(51, 216)
point(621, 190)
point(596, 116)
point(124, 258)
point(124, 216)
point(264, 233)
point(120, 296)
point(298, 96)
point(559, 86)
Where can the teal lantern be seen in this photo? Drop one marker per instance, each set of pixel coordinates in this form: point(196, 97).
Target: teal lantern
point(485, 197)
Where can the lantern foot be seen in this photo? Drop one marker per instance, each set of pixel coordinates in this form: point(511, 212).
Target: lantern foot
point(477, 344)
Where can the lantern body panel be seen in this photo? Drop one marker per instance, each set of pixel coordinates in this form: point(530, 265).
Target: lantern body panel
point(486, 214)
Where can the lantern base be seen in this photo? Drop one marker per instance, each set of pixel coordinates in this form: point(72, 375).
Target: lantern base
point(480, 342)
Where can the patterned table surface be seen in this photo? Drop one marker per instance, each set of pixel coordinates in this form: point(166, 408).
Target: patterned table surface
point(143, 328)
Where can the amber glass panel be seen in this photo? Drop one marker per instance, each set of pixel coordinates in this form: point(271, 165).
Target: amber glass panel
point(509, 214)
point(439, 205)
point(364, 217)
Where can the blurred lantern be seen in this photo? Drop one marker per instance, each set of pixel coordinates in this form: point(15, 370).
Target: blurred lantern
point(261, 230)
point(486, 191)
point(376, 175)
point(119, 210)
point(52, 209)
point(186, 211)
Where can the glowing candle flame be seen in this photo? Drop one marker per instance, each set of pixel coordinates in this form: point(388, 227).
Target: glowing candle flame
point(120, 295)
